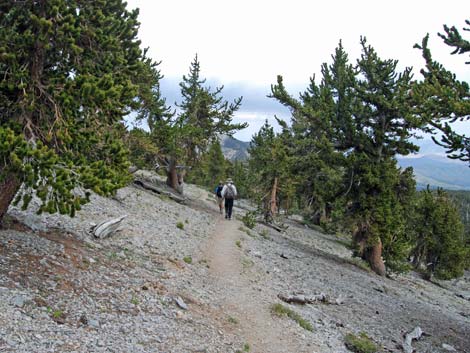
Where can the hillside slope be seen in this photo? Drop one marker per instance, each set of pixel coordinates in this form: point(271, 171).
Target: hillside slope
point(438, 171)
point(179, 278)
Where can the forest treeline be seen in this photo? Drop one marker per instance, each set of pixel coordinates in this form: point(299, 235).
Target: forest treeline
point(72, 71)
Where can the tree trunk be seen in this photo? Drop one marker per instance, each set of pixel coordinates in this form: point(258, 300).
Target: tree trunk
point(8, 189)
point(372, 253)
point(273, 202)
point(374, 258)
point(172, 177)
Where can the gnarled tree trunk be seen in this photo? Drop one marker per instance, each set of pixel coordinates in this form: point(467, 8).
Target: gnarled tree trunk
point(273, 201)
point(368, 251)
point(8, 189)
point(172, 176)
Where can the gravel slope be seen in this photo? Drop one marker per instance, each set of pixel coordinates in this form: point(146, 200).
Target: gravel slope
point(61, 290)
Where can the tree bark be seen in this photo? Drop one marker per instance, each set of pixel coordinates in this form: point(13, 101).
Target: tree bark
point(374, 258)
point(372, 253)
point(172, 176)
point(8, 189)
point(273, 202)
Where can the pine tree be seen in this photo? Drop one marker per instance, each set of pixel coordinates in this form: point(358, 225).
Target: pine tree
point(70, 71)
point(441, 99)
point(319, 124)
point(384, 124)
point(204, 114)
point(268, 165)
point(216, 164)
point(348, 129)
point(440, 247)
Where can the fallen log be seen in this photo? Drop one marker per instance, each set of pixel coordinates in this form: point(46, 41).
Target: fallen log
point(273, 226)
point(154, 188)
point(413, 335)
point(302, 299)
point(106, 228)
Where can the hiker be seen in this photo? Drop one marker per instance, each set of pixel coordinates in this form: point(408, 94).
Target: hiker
point(229, 193)
point(218, 193)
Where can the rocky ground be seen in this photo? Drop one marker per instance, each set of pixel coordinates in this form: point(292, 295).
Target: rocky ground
point(180, 278)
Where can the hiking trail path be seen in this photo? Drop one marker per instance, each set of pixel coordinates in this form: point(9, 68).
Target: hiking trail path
point(249, 305)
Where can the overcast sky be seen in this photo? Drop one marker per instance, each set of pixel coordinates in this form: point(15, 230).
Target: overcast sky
point(245, 44)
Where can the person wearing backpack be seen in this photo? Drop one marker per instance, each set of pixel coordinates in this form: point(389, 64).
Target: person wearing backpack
point(229, 193)
point(218, 194)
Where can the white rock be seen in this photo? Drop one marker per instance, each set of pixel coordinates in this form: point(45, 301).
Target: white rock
point(448, 347)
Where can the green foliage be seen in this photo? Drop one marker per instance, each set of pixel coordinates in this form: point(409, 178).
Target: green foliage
point(269, 161)
point(232, 320)
point(441, 99)
point(211, 167)
point(72, 71)
point(249, 219)
point(379, 210)
point(438, 235)
point(238, 243)
point(281, 310)
point(239, 172)
point(264, 233)
point(180, 225)
point(134, 300)
point(56, 314)
point(188, 259)
point(461, 199)
point(360, 344)
point(344, 136)
point(143, 151)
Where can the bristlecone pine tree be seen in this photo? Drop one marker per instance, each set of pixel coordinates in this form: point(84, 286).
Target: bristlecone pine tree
point(268, 165)
point(70, 71)
point(357, 120)
point(441, 99)
point(204, 114)
point(438, 233)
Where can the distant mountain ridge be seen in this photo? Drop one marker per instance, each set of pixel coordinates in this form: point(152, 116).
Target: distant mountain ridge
point(234, 149)
point(431, 165)
point(438, 171)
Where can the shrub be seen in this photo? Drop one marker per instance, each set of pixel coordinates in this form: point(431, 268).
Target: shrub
point(249, 219)
point(281, 310)
point(360, 344)
point(188, 259)
point(180, 225)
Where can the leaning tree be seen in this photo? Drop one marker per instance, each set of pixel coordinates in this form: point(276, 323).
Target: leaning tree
point(71, 70)
point(203, 114)
point(441, 99)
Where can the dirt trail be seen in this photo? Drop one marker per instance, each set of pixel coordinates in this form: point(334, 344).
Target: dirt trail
point(250, 306)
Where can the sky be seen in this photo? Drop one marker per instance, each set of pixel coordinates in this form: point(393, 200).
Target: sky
point(245, 44)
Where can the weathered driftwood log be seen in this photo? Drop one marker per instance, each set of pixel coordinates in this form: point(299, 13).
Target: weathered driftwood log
point(152, 187)
point(273, 226)
point(106, 228)
point(413, 335)
point(302, 299)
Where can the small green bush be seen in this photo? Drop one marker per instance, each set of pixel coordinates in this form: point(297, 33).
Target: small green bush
point(281, 310)
point(188, 259)
point(238, 243)
point(232, 320)
point(249, 219)
point(57, 314)
point(360, 344)
point(264, 233)
point(180, 225)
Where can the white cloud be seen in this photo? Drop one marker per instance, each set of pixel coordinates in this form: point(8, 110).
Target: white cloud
point(255, 40)
point(245, 44)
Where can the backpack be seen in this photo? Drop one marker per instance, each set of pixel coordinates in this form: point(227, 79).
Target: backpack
point(218, 191)
point(230, 192)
